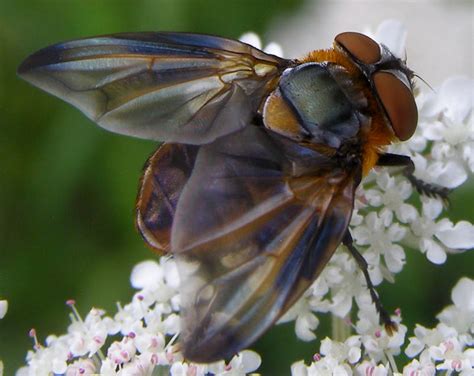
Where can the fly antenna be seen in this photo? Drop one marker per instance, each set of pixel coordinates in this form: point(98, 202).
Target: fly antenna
point(426, 83)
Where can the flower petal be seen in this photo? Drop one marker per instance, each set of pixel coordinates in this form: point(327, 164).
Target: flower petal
point(463, 294)
point(250, 360)
point(305, 324)
point(434, 252)
point(457, 96)
point(434, 131)
point(452, 175)
point(252, 39)
point(146, 274)
point(431, 207)
point(299, 369)
point(406, 213)
point(273, 49)
point(3, 308)
point(461, 236)
point(393, 34)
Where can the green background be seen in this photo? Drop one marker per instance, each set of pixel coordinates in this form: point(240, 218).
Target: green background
point(67, 188)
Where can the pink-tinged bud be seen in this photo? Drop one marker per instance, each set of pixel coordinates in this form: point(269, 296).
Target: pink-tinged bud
point(98, 339)
point(456, 365)
point(449, 345)
point(317, 357)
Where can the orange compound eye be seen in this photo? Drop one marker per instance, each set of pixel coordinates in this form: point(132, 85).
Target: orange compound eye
point(360, 46)
point(399, 104)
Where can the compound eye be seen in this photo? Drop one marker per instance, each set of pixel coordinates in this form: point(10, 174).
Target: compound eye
point(363, 48)
point(399, 104)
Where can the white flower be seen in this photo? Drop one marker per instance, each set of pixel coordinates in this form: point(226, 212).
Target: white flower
point(141, 365)
point(449, 346)
point(150, 342)
point(146, 274)
point(179, 369)
point(446, 116)
point(419, 368)
point(88, 336)
point(348, 351)
point(3, 308)
point(255, 41)
point(343, 287)
point(453, 358)
point(436, 238)
point(325, 366)
point(305, 320)
point(392, 195)
point(81, 367)
point(391, 33)
point(52, 358)
point(370, 368)
point(123, 351)
point(377, 342)
point(245, 362)
point(380, 235)
point(460, 315)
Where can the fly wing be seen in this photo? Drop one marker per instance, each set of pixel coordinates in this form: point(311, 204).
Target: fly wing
point(173, 87)
point(249, 240)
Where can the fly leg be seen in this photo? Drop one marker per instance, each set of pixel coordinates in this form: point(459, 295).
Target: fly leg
point(424, 188)
point(385, 320)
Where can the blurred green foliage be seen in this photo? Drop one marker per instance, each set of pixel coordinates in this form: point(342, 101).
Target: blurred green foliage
point(68, 188)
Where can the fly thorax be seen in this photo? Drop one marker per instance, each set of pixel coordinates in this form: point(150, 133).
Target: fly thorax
point(318, 103)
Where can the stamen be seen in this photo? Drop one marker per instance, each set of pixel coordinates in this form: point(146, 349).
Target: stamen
point(72, 303)
point(32, 334)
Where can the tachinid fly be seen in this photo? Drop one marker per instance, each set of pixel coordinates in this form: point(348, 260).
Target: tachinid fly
point(253, 188)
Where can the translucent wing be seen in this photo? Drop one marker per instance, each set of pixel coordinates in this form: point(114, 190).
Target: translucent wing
point(173, 87)
point(249, 239)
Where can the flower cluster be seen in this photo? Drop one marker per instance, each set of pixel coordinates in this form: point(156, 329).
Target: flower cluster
point(450, 345)
point(447, 347)
point(140, 338)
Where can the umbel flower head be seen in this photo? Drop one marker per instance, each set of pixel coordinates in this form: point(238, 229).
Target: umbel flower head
point(141, 337)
